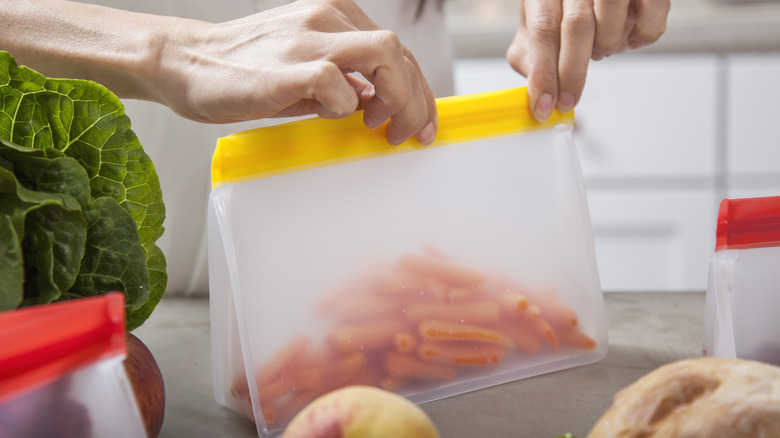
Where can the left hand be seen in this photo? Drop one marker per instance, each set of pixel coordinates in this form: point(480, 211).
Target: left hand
point(556, 39)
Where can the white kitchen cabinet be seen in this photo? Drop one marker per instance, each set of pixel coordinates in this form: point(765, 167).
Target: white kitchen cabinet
point(650, 118)
point(653, 240)
point(476, 75)
point(753, 131)
point(646, 134)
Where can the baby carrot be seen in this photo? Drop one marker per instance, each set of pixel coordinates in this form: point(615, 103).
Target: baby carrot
point(476, 312)
point(405, 366)
point(575, 338)
point(435, 330)
point(336, 374)
point(462, 354)
point(532, 311)
point(526, 340)
point(305, 373)
point(314, 358)
point(364, 307)
point(240, 388)
point(557, 313)
point(243, 402)
point(545, 330)
point(448, 272)
point(405, 342)
point(284, 359)
point(398, 283)
point(460, 293)
point(269, 414)
point(287, 408)
point(309, 378)
point(274, 389)
point(346, 368)
point(435, 288)
point(512, 302)
point(355, 287)
point(364, 337)
point(532, 320)
point(370, 375)
point(391, 384)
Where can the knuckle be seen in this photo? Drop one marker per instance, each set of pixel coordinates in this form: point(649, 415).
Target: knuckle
point(387, 40)
point(546, 29)
point(418, 114)
point(321, 14)
point(324, 74)
point(316, 16)
point(328, 5)
point(607, 44)
point(339, 4)
point(324, 81)
point(401, 92)
point(579, 21)
point(652, 25)
point(649, 33)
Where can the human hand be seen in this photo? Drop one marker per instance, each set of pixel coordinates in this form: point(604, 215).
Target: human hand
point(556, 39)
point(295, 60)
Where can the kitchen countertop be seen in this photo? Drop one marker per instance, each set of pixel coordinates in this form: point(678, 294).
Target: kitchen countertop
point(645, 330)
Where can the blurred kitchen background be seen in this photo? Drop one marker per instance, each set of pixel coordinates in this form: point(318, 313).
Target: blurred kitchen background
point(663, 133)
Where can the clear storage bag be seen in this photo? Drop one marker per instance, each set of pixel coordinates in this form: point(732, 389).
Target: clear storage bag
point(337, 259)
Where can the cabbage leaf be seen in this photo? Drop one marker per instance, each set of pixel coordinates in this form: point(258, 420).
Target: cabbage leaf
point(80, 201)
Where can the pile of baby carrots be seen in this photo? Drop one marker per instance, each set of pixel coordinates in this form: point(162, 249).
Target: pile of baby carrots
point(420, 320)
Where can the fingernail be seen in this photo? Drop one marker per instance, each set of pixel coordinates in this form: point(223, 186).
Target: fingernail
point(566, 102)
point(544, 107)
point(634, 44)
point(427, 134)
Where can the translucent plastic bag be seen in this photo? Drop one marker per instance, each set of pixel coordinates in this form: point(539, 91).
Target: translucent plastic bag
point(742, 294)
point(337, 259)
point(61, 371)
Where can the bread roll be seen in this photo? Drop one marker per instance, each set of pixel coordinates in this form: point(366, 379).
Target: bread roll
point(703, 397)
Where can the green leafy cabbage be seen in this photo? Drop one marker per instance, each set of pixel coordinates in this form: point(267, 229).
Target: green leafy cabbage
point(80, 202)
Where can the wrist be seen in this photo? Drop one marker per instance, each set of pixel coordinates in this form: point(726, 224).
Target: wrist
point(115, 48)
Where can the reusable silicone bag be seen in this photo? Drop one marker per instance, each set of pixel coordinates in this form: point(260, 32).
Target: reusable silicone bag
point(743, 294)
point(337, 259)
point(62, 372)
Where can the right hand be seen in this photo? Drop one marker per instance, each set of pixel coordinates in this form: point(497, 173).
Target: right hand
point(295, 60)
point(556, 39)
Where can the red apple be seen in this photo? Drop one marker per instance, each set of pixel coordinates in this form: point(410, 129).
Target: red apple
point(147, 382)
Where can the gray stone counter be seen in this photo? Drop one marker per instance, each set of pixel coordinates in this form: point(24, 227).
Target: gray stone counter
point(646, 330)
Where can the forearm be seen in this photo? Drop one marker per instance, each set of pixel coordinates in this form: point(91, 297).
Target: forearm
point(118, 49)
point(287, 61)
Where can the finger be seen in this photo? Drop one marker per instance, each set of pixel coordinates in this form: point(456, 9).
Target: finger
point(578, 30)
point(356, 44)
point(428, 134)
point(317, 87)
point(650, 24)
point(412, 117)
point(363, 89)
point(628, 28)
point(400, 91)
point(335, 15)
point(542, 22)
point(610, 21)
